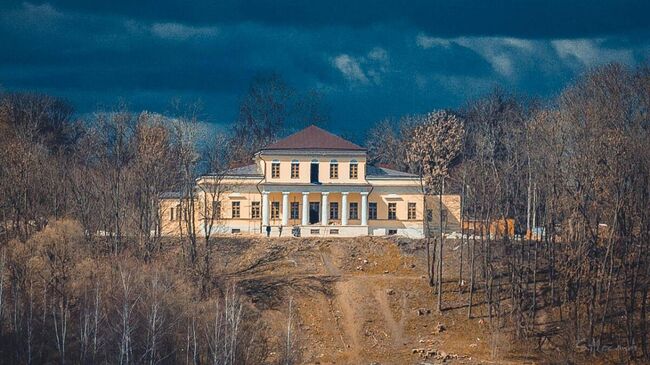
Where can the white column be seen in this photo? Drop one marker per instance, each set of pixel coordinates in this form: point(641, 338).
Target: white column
point(265, 209)
point(364, 209)
point(305, 208)
point(344, 209)
point(285, 208)
point(324, 209)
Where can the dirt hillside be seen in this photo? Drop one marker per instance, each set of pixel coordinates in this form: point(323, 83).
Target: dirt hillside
point(363, 301)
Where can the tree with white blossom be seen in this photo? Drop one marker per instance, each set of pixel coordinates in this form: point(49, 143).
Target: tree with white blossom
point(434, 144)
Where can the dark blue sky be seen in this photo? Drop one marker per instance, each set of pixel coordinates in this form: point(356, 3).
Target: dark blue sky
point(370, 59)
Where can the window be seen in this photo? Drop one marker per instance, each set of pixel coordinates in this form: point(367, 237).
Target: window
point(334, 210)
point(411, 211)
point(235, 209)
point(171, 215)
point(334, 231)
point(334, 169)
point(315, 231)
point(372, 210)
point(392, 232)
point(295, 169)
point(179, 212)
point(235, 231)
point(313, 178)
point(275, 210)
point(295, 208)
point(392, 211)
point(216, 208)
point(255, 210)
point(354, 210)
point(275, 170)
point(354, 169)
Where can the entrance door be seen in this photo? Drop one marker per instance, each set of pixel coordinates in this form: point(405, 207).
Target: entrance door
point(314, 210)
point(314, 173)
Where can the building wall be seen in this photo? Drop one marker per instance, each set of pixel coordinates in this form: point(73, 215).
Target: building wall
point(225, 191)
point(413, 227)
point(496, 228)
point(450, 203)
point(245, 192)
point(305, 168)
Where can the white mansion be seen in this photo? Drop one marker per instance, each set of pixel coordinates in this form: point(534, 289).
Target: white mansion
point(313, 183)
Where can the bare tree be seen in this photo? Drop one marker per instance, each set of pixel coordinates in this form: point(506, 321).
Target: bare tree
point(186, 134)
point(116, 130)
point(2, 287)
point(212, 189)
point(384, 144)
point(269, 109)
point(127, 300)
point(152, 172)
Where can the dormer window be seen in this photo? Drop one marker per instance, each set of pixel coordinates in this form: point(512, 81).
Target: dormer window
point(354, 169)
point(275, 169)
point(334, 169)
point(295, 169)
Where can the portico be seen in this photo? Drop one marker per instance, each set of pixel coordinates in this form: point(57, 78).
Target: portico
point(317, 212)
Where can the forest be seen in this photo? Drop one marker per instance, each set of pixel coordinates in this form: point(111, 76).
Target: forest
point(86, 277)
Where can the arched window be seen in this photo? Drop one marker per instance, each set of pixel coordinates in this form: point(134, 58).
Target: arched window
point(354, 169)
point(334, 169)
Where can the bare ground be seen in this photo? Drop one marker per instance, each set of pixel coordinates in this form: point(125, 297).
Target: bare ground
point(363, 301)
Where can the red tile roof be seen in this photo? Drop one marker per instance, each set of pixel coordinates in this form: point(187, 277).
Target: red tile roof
point(313, 138)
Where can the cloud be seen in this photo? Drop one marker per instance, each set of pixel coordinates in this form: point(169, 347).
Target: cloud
point(366, 61)
point(350, 68)
point(507, 55)
point(537, 19)
point(41, 12)
point(378, 54)
point(590, 52)
point(426, 42)
point(500, 52)
point(365, 69)
point(41, 17)
point(182, 32)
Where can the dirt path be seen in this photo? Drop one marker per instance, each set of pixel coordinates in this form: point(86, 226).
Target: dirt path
point(370, 314)
point(350, 317)
point(343, 304)
point(395, 327)
point(330, 268)
point(352, 298)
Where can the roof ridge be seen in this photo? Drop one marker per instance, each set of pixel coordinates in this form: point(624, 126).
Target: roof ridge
point(248, 169)
point(374, 170)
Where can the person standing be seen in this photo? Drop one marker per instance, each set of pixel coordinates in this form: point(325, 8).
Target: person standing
point(280, 235)
point(268, 231)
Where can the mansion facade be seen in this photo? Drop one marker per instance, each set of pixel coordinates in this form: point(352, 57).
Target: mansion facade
point(311, 183)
